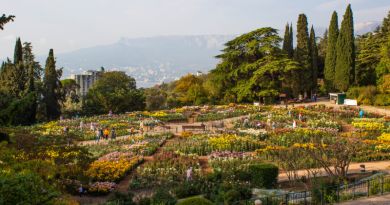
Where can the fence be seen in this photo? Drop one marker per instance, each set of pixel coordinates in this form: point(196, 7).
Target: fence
point(328, 195)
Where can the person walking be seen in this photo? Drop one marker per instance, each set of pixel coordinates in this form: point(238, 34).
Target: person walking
point(81, 125)
point(106, 133)
point(361, 113)
point(97, 139)
point(81, 191)
point(101, 133)
point(113, 134)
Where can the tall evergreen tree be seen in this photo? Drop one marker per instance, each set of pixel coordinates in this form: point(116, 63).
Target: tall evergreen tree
point(29, 60)
point(345, 50)
point(286, 38)
point(302, 56)
point(330, 59)
point(52, 88)
point(287, 41)
point(291, 54)
point(18, 53)
point(314, 58)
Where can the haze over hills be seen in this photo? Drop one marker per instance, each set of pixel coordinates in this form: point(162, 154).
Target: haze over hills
point(160, 59)
point(149, 60)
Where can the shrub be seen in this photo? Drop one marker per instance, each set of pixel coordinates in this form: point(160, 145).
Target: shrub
point(121, 199)
point(25, 188)
point(264, 175)
point(187, 189)
point(382, 100)
point(162, 196)
point(197, 200)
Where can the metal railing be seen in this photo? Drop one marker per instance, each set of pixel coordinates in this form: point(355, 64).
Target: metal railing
point(328, 195)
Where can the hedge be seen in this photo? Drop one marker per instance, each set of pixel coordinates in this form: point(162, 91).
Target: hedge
point(264, 175)
point(197, 200)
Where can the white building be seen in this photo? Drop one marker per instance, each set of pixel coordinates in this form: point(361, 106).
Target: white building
point(86, 80)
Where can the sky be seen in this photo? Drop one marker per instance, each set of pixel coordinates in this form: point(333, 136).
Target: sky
point(67, 25)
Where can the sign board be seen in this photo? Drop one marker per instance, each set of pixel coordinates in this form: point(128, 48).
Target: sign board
point(350, 102)
point(256, 104)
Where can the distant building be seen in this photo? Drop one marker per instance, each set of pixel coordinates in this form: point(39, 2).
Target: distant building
point(199, 73)
point(86, 80)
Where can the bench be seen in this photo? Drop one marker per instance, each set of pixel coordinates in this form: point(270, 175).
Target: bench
point(194, 127)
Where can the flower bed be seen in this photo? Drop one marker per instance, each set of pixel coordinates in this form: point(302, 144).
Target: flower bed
point(165, 170)
point(112, 167)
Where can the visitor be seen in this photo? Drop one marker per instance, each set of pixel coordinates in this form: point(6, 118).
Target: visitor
point(101, 133)
point(315, 97)
point(361, 113)
point(294, 125)
point(131, 130)
point(300, 116)
point(269, 122)
point(189, 174)
point(81, 125)
point(110, 113)
point(113, 134)
point(66, 130)
point(273, 125)
point(106, 133)
point(92, 126)
point(97, 139)
point(81, 191)
point(289, 113)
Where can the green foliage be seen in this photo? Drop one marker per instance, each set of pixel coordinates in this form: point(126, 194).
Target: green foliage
point(121, 199)
point(197, 200)
point(16, 111)
point(52, 95)
point(288, 47)
point(114, 91)
point(364, 95)
point(187, 188)
point(330, 60)
point(155, 99)
point(25, 188)
point(314, 58)
point(264, 175)
point(345, 51)
point(162, 196)
point(5, 19)
point(18, 53)
point(303, 78)
point(253, 66)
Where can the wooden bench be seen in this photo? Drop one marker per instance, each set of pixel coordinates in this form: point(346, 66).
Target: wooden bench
point(194, 127)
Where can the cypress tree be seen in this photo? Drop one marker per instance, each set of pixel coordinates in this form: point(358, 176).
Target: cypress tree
point(302, 55)
point(52, 86)
point(345, 50)
point(330, 59)
point(314, 58)
point(288, 41)
point(18, 52)
point(291, 54)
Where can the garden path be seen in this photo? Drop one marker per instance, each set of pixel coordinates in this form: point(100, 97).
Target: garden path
point(325, 101)
point(376, 200)
point(353, 168)
point(176, 128)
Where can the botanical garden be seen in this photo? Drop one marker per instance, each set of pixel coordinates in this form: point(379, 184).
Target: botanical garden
point(258, 128)
point(236, 158)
